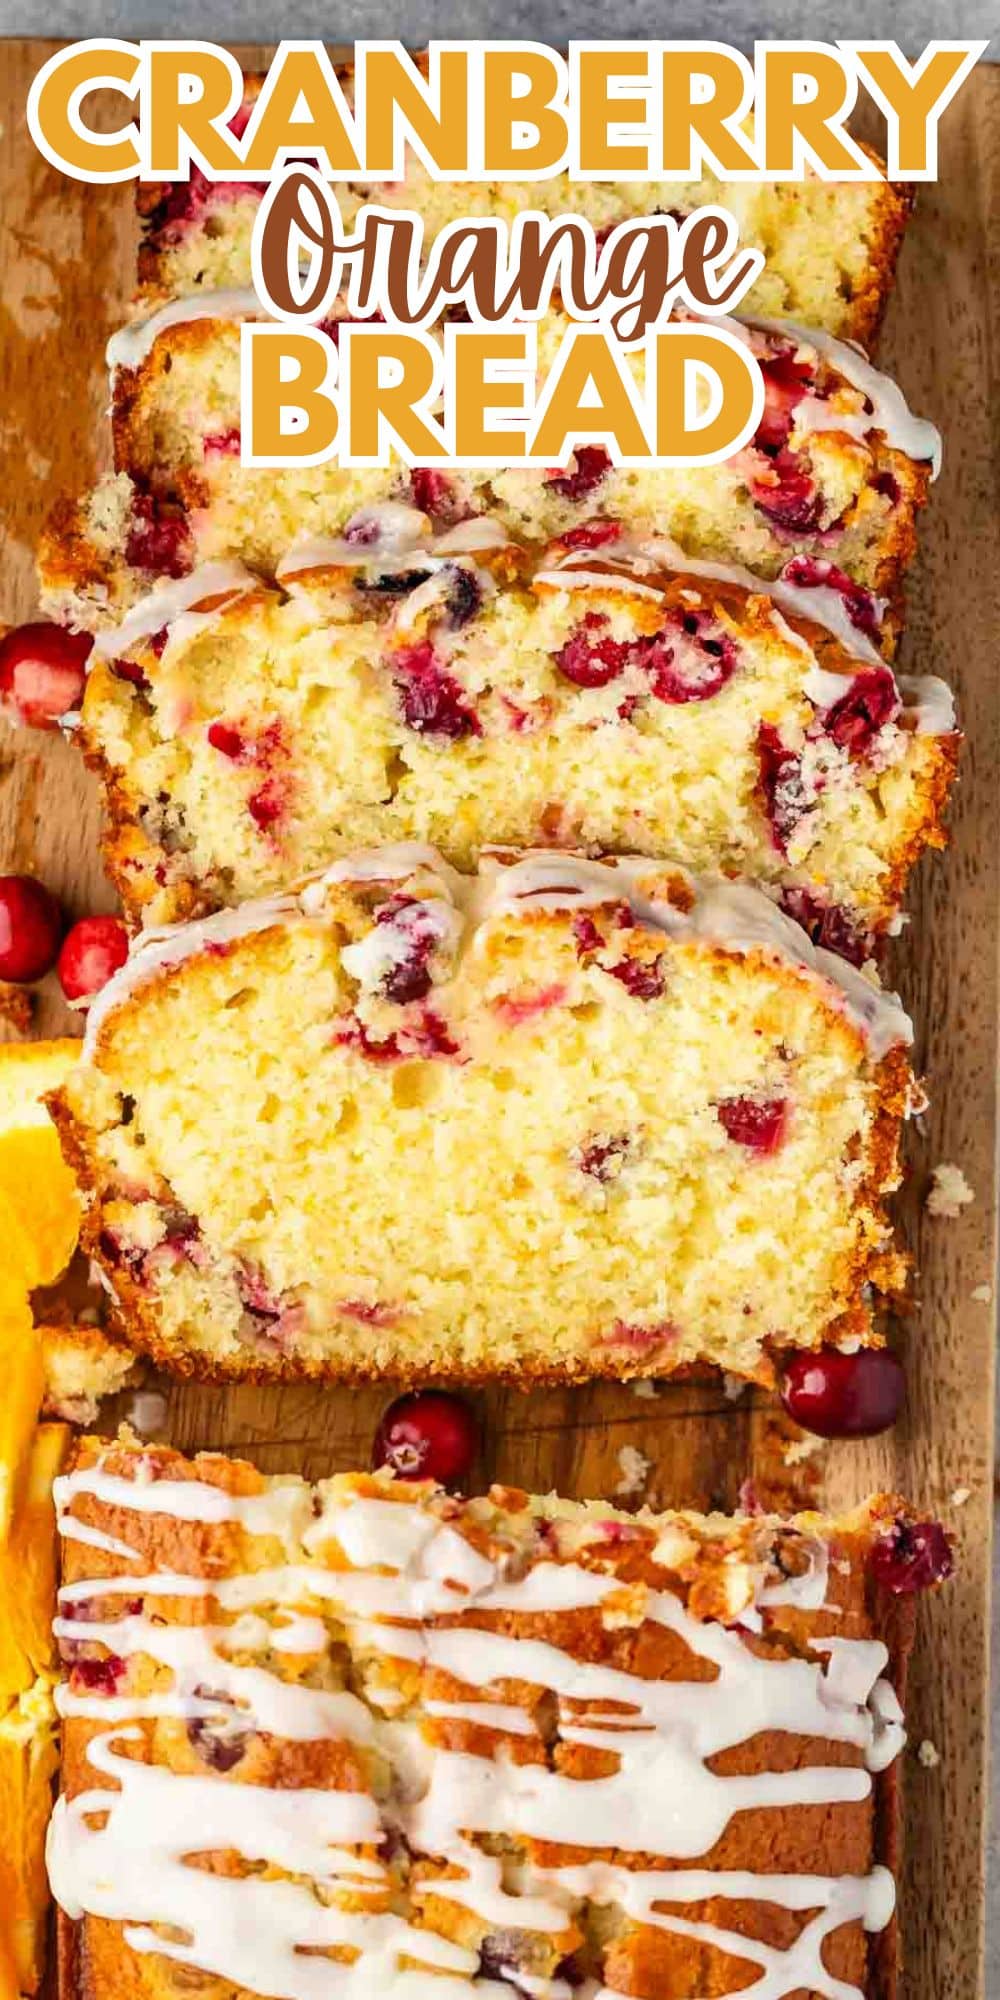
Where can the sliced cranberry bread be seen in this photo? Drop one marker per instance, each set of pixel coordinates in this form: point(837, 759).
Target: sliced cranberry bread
point(833, 478)
point(831, 247)
point(503, 1745)
point(413, 1123)
point(455, 688)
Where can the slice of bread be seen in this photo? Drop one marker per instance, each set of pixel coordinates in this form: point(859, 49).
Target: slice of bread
point(405, 686)
point(831, 247)
point(832, 482)
point(409, 1122)
point(503, 1741)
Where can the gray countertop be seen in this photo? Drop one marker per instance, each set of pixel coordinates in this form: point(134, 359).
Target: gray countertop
point(911, 22)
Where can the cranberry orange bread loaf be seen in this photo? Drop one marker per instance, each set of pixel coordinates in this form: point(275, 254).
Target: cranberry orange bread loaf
point(453, 688)
point(365, 1738)
point(830, 247)
point(555, 1120)
point(828, 489)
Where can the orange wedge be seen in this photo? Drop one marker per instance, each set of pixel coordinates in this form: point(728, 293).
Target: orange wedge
point(23, 1374)
point(28, 1747)
point(28, 1764)
point(28, 1567)
point(39, 1202)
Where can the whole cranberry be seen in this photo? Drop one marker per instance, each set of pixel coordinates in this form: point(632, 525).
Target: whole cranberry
point(427, 1435)
point(30, 928)
point(911, 1555)
point(92, 951)
point(844, 1395)
point(42, 672)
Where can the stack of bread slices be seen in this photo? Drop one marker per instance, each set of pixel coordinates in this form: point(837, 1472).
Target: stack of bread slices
point(510, 856)
point(532, 837)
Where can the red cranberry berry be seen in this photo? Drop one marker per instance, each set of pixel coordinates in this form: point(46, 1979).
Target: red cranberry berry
point(812, 573)
point(591, 463)
point(435, 494)
point(98, 1676)
point(602, 1157)
point(643, 978)
point(911, 1555)
point(869, 702)
point(30, 928)
point(590, 657)
point(690, 662)
point(827, 924)
point(759, 1124)
point(428, 1435)
point(267, 805)
point(592, 535)
point(786, 382)
point(92, 952)
point(158, 542)
point(42, 672)
point(432, 701)
point(220, 1741)
point(227, 741)
point(787, 494)
point(224, 444)
point(416, 933)
point(844, 1395)
point(781, 784)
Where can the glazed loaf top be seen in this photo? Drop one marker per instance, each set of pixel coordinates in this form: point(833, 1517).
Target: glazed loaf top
point(475, 1746)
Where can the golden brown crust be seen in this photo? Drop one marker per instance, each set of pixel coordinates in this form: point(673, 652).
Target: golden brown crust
point(871, 297)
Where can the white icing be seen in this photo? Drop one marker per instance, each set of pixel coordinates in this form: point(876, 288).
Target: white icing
point(121, 1852)
point(583, 578)
point(890, 412)
point(731, 915)
point(132, 343)
point(929, 701)
point(224, 581)
point(401, 539)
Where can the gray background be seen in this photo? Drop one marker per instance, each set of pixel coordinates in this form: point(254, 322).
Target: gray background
point(912, 25)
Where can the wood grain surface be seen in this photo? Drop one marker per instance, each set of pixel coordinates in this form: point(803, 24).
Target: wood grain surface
point(66, 257)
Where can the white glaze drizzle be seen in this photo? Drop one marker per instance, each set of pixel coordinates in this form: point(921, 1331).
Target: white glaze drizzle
point(915, 436)
point(132, 1868)
point(165, 605)
point(733, 916)
point(132, 343)
point(401, 538)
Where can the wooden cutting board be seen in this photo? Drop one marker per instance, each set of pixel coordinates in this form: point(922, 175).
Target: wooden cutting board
point(66, 258)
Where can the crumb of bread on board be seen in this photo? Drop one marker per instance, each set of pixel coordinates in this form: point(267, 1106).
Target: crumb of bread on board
point(634, 1466)
point(949, 1191)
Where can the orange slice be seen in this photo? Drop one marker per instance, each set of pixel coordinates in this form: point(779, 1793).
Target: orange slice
point(39, 1202)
